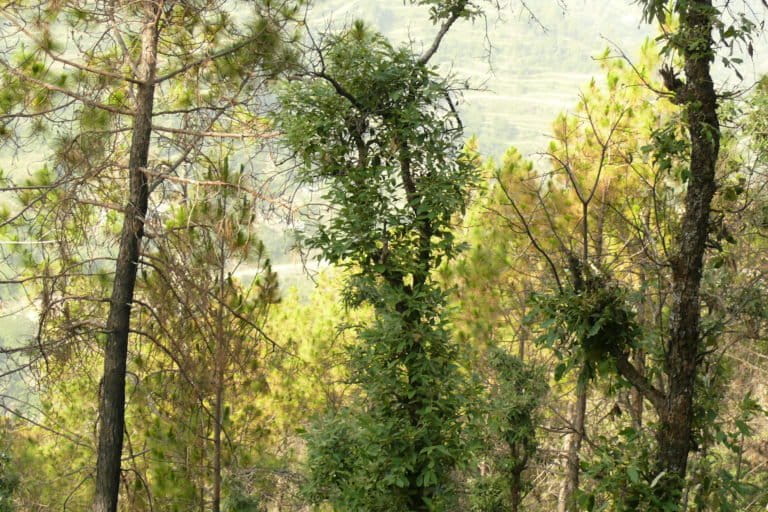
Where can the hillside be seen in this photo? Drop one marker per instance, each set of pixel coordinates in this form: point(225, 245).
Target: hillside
point(524, 72)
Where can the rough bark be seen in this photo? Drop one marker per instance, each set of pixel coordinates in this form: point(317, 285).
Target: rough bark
point(675, 405)
point(112, 399)
point(700, 99)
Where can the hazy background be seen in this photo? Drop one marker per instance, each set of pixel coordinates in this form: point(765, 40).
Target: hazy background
point(528, 73)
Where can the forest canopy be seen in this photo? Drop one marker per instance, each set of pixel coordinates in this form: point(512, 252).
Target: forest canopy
point(254, 258)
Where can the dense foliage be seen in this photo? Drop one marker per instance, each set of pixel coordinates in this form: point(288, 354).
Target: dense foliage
point(373, 126)
point(581, 331)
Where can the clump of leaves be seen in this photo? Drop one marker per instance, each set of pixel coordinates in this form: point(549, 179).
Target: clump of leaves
point(622, 466)
point(488, 494)
point(590, 325)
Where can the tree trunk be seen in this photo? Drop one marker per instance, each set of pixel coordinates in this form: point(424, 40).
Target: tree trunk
point(216, 506)
point(676, 418)
point(646, 316)
point(516, 485)
point(203, 469)
point(570, 484)
point(112, 400)
point(636, 404)
point(220, 354)
point(573, 447)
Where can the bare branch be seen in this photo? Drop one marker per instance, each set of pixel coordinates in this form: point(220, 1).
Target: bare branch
point(456, 13)
point(206, 59)
point(638, 380)
point(532, 237)
point(623, 56)
point(215, 134)
point(215, 183)
point(340, 90)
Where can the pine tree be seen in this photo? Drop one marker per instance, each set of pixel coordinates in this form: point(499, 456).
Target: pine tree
point(131, 94)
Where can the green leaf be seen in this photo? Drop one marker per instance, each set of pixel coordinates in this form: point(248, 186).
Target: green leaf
point(634, 476)
point(560, 370)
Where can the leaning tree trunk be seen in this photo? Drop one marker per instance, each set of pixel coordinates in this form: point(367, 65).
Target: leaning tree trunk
point(700, 100)
point(112, 400)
